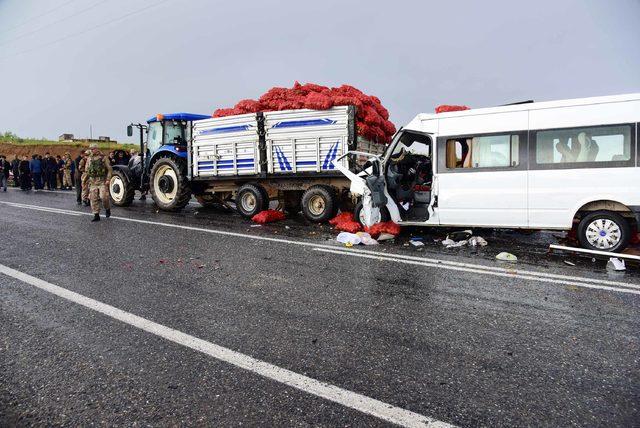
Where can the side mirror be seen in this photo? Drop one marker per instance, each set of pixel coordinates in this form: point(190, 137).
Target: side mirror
point(130, 131)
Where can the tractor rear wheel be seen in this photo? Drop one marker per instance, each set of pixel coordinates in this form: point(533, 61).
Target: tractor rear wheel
point(169, 186)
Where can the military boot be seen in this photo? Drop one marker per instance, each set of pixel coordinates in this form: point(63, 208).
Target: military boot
point(108, 213)
point(96, 217)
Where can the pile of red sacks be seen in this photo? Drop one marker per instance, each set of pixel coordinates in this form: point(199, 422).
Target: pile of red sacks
point(388, 227)
point(445, 108)
point(345, 223)
point(268, 216)
point(372, 119)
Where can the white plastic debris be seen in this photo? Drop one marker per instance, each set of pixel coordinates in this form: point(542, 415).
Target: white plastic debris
point(386, 237)
point(416, 241)
point(366, 238)
point(507, 257)
point(477, 241)
point(450, 243)
point(348, 238)
point(615, 263)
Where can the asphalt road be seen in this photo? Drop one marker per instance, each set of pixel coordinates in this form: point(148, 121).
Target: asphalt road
point(213, 322)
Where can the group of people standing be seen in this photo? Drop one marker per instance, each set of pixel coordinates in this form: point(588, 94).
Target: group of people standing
point(90, 173)
point(41, 173)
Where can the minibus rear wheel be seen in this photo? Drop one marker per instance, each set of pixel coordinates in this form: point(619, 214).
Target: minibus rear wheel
point(604, 231)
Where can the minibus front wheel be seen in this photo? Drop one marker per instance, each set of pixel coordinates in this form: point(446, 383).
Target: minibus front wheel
point(604, 231)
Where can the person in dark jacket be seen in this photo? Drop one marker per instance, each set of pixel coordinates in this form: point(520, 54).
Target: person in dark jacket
point(5, 168)
point(46, 172)
point(36, 172)
point(25, 174)
point(53, 172)
point(15, 168)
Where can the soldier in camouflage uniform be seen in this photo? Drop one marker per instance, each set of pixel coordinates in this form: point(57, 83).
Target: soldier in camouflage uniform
point(98, 171)
point(67, 184)
point(83, 178)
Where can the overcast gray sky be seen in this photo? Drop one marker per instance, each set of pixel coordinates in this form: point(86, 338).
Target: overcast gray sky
point(65, 64)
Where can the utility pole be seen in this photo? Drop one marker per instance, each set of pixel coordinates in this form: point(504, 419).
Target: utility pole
point(90, 132)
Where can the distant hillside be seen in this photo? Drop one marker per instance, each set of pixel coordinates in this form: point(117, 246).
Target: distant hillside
point(12, 145)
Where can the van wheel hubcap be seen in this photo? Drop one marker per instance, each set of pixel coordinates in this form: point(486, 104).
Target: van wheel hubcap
point(603, 234)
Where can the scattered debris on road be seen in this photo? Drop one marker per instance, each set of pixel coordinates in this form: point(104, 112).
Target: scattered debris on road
point(450, 243)
point(506, 257)
point(348, 238)
point(385, 237)
point(351, 239)
point(462, 238)
point(416, 242)
point(616, 264)
point(477, 241)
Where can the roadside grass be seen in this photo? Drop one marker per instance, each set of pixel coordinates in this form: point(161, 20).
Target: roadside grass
point(21, 142)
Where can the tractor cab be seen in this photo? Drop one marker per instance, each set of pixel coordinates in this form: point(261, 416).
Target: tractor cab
point(168, 133)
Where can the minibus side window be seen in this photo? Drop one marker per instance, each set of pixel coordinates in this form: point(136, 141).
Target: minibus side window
point(488, 151)
point(599, 144)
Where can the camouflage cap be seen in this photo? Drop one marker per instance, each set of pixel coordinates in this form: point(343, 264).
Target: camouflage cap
point(93, 146)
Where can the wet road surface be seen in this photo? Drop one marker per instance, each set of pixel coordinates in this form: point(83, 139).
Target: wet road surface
point(428, 335)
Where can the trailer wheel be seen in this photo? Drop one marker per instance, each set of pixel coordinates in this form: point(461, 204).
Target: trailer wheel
point(169, 187)
point(358, 215)
point(604, 231)
point(121, 190)
point(250, 200)
point(319, 203)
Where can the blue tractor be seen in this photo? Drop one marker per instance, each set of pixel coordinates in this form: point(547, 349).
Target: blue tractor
point(161, 166)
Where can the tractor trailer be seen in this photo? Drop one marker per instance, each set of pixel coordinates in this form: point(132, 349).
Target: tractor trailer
point(250, 159)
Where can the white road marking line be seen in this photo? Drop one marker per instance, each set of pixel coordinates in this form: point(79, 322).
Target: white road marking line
point(483, 272)
point(438, 263)
point(73, 193)
point(46, 209)
point(354, 400)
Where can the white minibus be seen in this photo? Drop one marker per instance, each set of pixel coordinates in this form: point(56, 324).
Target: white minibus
point(532, 165)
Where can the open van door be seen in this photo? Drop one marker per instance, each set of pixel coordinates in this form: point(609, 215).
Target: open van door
point(371, 186)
